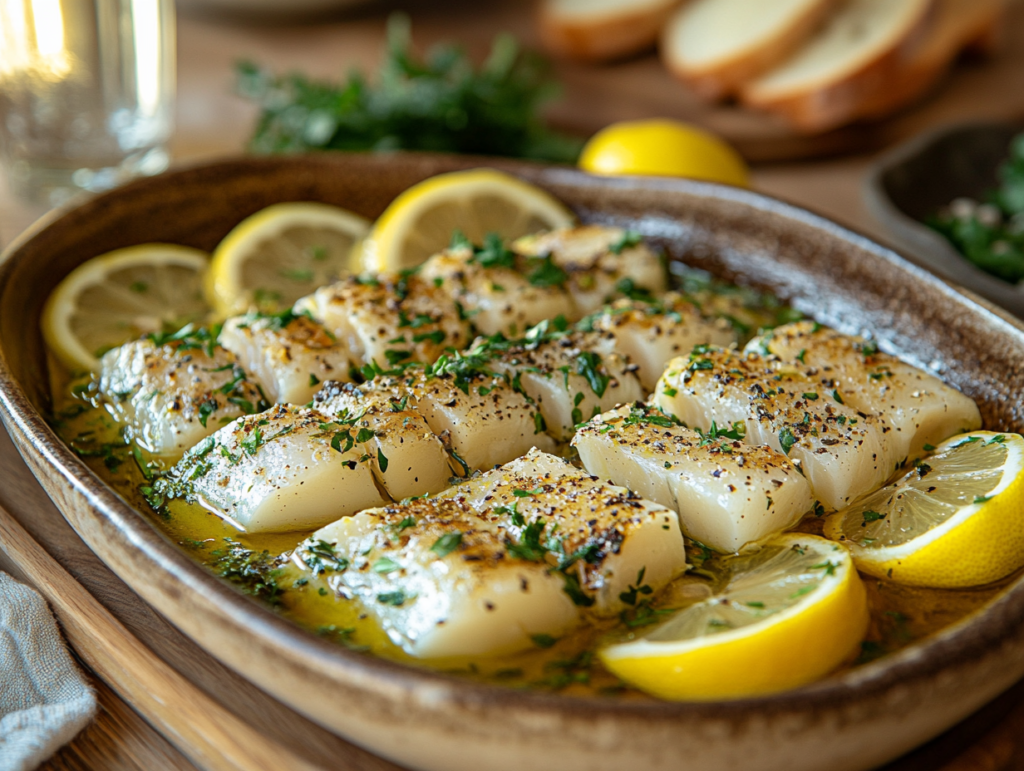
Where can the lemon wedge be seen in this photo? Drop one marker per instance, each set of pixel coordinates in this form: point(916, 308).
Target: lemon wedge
point(120, 296)
point(419, 223)
point(281, 253)
point(663, 148)
point(788, 614)
point(954, 521)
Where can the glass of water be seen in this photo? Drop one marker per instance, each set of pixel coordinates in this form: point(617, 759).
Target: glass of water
point(86, 93)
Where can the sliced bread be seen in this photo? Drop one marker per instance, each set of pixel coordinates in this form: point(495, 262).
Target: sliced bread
point(717, 45)
point(601, 30)
point(956, 25)
point(853, 57)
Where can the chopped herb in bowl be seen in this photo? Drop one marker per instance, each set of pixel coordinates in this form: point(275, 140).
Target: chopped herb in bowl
point(990, 233)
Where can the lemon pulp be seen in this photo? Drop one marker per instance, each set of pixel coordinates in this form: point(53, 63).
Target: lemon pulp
point(420, 222)
point(281, 253)
point(120, 296)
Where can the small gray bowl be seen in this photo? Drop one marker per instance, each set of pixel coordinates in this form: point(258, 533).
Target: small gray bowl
point(919, 177)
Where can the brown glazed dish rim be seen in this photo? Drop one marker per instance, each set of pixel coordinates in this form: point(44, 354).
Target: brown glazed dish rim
point(982, 631)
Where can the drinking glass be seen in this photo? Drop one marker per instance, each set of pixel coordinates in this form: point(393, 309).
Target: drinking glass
point(86, 93)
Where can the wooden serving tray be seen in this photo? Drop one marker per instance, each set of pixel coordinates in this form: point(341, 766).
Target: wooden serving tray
point(207, 717)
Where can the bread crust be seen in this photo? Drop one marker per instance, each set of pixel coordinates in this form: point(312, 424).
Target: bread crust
point(961, 25)
point(724, 79)
point(833, 104)
point(603, 38)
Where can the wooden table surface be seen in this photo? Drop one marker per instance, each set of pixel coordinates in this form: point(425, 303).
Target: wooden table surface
point(211, 123)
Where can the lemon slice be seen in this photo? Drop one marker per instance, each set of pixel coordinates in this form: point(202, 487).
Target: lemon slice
point(420, 222)
point(787, 615)
point(281, 253)
point(954, 521)
point(120, 296)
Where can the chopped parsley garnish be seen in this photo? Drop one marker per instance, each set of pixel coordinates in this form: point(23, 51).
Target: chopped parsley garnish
point(446, 544)
point(527, 493)
point(253, 572)
point(529, 548)
point(320, 557)
point(396, 598)
point(872, 516)
point(543, 640)
point(629, 597)
point(437, 337)
point(588, 364)
point(252, 442)
point(546, 273)
point(787, 440)
point(385, 565)
point(627, 240)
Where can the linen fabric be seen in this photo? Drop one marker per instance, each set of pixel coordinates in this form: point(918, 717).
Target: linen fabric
point(44, 699)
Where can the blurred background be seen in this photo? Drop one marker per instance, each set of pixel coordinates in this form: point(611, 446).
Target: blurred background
point(809, 92)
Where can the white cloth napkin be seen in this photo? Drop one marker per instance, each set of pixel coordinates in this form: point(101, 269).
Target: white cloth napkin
point(44, 700)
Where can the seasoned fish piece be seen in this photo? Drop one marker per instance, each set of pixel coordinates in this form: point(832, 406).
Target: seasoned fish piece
point(570, 377)
point(171, 396)
point(920, 408)
point(407, 458)
point(289, 354)
point(495, 297)
point(290, 468)
point(437, 578)
point(388, 320)
point(727, 493)
point(651, 333)
point(478, 415)
point(595, 263)
point(461, 574)
point(843, 453)
point(602, 536)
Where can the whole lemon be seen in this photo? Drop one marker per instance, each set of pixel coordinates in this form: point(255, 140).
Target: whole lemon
point(663, 148)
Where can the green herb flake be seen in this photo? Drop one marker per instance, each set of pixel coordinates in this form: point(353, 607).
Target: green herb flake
point(446, 544)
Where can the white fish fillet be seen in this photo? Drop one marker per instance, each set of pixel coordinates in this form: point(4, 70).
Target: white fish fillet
point(456, 575)
point(607, 535)
point(727, 493)
point(919, 407)
point(408, 459)
point(597, 259)
point(289, 468)
point(651, 334)
point(171, 396)
point(495, 299)
point(843, 453)
point(388, 320)
point(289, 355)
point(571, 377)
point(479, 416)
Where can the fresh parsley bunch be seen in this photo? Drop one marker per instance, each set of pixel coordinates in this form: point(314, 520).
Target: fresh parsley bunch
point(991, 234)
point(440, 103)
